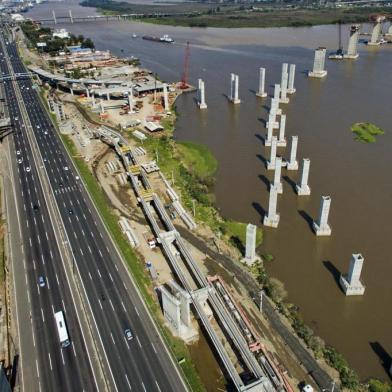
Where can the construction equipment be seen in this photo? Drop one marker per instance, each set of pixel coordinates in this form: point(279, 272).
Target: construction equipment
point(184, 80)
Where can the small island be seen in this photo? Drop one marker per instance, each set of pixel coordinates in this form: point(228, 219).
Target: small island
point(366, 132)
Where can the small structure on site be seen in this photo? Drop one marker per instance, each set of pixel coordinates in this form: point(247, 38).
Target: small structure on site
point(272, 218)
point(277, 176)
point(272, 161)
point(284, 84)
point(282, 129)
point(291, 89)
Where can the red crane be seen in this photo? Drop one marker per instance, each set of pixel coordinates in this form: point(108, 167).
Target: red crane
point(184, 79)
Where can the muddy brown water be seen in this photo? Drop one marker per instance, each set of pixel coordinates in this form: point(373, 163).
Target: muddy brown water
point(357, 176)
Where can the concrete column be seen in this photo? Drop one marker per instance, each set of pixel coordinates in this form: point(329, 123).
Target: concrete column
point(87, 92)
point(292, 164)
point(250, 249)
point(277, 176)
point(70, 16)
point(272, 120)
point(202, 101)
point(351, 283)
point(277, 92)
point(130, 101)
point(284, 84)
point(376, 32)
point(272, 217)
point(272, 162)
point(165, 98)
point(270, 130)
point(236, 87)
point(291, 89)
point(282, 139)
point(321, 226)
point(275, 106)
point(353, 42)
point(232, 81)
point(261, 92)
point(303, 188)
point(54, 17)
point(71, 91)
point(319, 63)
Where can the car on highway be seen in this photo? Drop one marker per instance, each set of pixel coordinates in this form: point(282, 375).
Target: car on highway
point(28, 169)
point(128, 334)
point(20, 160)
point(70, 211)
point(17, 152)
point(46, 132)
point(35, 207)
point(41, 281)
point(66, 168)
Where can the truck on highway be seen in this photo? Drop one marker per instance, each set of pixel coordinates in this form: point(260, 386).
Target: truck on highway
point(62, 329)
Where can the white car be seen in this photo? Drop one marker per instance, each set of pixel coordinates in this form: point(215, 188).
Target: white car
point(28, 169)
point(17, 152)
point(66, 168)
point(46, 132)
point(20, 160)
point(38, 127)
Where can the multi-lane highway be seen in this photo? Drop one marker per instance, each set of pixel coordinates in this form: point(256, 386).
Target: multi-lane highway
point(141, 364)
point(56, 368)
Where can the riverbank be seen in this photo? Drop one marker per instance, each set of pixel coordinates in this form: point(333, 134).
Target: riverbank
point(199, 15)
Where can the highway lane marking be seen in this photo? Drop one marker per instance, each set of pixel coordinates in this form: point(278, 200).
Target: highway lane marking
point(83, 233)
point(137, 312)
point(24, 205)
point(126, 377)
point(39, 239)
point(28, 297)
point(111, 304)
point(74, 233)
point(34, 264)
point(110, 275)
point(77, 218)
point(73, 348)
point(50, 362)
point(32, 332)
point(100, 253)
point(100, 304)
point(89, 249)
point(42, 314)
point(52, 309)
point(36, 364)
point(65, 310)
point(115, 265)
point(47, 281)
point(126, 342)
point(153, 347)
point(43, 260)
point(57, 278)
point(31, 244)
point(137, 338)
point(99, 273)
point(46, 234)
point(35, 221)
point(51, 253)
point(62, 356)
point(122, 303)
point(81, 252)
point(112, 338)
point(90, 275)
point(26, 278)
point(27, 223)
point(156, 382)
point(144, 388)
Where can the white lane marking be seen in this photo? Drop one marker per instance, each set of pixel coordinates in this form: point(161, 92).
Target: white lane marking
point(47, 281)
point(51, 254)
point(62, 356)
point(65, 310)
point(50, 362)
point(57, 278)
point(100, 253)
point(130, 388)
point(122, 303)
point(36, 364)
point(46, 234)
point(99, 273)
point(89, 249)
point(111, 278)
point(156, 382)
point(153, 347)
point(34, 264)
point(137, 338)
point(144, 388)
point(100, 304)
point(42, 314)
point(112, 338)
point(43, 260)
point(83, 233)
point(137, 312)
point(32, 331)
point(111, 304)
point(90, 275)
point(74, 233)
point(126, 342)
point(28, 296)
point(81, 251)
point(73, 348)
point(26, 278)
point(52, 309)
point(115, 265)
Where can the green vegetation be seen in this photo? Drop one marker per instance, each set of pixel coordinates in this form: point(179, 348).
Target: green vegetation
point(35, 33)
point(366, 132)
point(379, 386)
point(225, 15)
point(192, 166)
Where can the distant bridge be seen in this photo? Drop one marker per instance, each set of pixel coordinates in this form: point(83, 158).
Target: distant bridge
point(95, 18)
point(16, 76)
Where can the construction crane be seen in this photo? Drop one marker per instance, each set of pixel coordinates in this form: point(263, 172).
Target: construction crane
point(184, 80)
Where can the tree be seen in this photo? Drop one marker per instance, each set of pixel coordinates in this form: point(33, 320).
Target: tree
point(276, 290)
point(88, 43)
point(379, 386)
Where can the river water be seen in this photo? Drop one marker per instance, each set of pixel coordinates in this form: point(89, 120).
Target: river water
point(357, 176)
